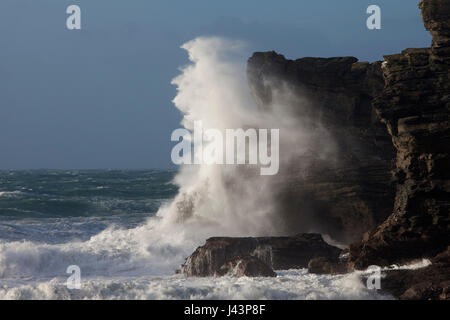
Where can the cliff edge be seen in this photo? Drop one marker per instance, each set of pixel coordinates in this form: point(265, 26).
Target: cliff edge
point(415, 105)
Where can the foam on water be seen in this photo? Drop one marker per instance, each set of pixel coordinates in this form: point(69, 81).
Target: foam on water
point(10, 194)
point(289, 285)
point(139, 263)
point(89, 213)
point(138, 251)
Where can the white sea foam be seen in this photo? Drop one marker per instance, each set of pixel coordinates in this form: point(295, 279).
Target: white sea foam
point(290, 284)
point(214, 89)
point(151, 249)
point(10, 194)
point(423, 263)
point(140, 262)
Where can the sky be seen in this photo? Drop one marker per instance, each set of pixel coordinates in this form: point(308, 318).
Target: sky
point(100, 97)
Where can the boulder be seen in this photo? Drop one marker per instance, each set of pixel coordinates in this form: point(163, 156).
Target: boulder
point(277, 253)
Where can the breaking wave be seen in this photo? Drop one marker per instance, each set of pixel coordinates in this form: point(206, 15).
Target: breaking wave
point(137, 261)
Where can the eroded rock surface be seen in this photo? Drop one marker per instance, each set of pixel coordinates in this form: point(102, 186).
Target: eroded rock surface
point(278, 253)
point(327, 265)
point(402, 103)
point(349, 190)
point(429, 283)
point(248, 266)
point(415, 106)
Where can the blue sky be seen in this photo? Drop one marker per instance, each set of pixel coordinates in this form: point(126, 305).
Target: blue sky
point(101, 97)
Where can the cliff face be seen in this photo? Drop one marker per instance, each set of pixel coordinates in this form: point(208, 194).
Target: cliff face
point(396, 110)
point(353, 192)
point(415, 105)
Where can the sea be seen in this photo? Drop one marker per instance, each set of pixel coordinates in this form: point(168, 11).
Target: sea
point(107, 223)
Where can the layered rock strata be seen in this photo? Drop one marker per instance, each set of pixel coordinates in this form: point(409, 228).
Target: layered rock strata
point(415, 106)
point(350, 190)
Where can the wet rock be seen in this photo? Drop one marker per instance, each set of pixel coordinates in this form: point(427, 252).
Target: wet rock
point(350, 191)
point(415, 106)
point(324, 265)
point(277, 253)
point(429, 283)
point(247, 266)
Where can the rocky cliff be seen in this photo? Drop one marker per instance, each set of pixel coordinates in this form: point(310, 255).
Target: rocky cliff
point(391, 123)
point(353, 191)
point(379, 113)
point(429, 283)
point(412, 100)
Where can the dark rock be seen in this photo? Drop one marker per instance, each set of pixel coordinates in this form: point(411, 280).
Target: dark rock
point(436, 17)
point(377, 112)
point(324, 265)
point(247, 266)
point(415, 105)
point(354, 191)
point(398, 109)
point(277, 253)
point(432, 282)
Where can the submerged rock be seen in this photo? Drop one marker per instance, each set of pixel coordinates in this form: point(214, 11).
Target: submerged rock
point(278, 253)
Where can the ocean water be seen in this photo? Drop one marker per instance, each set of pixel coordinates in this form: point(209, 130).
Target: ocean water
point(54, 206)
point(110, 224)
